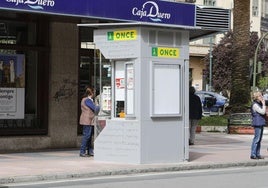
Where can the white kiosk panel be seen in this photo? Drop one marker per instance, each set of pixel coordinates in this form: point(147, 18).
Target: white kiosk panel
point(166, 91)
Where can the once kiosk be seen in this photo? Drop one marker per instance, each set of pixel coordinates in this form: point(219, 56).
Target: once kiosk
point(150, 65)
point(153, 65)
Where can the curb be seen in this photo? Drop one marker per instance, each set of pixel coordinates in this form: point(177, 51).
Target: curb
point(138, 170)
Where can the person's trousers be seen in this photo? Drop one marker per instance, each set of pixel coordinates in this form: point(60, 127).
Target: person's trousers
point(256, 142)
point(192, 129)
point(86, 140)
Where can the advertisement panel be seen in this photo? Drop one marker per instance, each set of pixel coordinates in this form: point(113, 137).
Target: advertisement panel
point(12, 86)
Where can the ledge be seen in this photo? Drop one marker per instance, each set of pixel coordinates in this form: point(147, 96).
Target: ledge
point(233, 129)
point(240, 129)
point(211, 129)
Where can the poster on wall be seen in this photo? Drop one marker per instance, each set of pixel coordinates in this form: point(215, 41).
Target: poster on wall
point(130, 89)
point(120, 83)
point(12, 86)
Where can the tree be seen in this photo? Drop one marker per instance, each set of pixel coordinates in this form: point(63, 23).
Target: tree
point(223, 58)
point(240, 86)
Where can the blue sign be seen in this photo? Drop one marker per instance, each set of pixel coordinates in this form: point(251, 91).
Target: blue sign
point(156, 11)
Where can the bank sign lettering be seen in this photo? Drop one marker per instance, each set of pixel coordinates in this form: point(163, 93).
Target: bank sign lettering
point(122, 35)
point(165, 52)
point(34, 4)
point(150, 9)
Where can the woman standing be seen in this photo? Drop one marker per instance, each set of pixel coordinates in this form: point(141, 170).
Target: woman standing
point(88, 111)
point(258, 122)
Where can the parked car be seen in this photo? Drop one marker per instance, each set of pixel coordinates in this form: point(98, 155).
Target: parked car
point(213, 103)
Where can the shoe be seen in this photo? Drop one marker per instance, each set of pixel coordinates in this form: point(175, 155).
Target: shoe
point(91, 153)
point(253, 157)
point(83, 155)
point(260, 157)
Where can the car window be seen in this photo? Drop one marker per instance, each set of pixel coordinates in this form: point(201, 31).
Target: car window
point(200, 95)
point(208, 95)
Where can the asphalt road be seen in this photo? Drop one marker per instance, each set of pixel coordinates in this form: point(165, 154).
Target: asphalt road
point(246, 177)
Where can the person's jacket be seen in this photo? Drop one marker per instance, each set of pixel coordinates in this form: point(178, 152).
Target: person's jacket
point(87, 115)
point(195, 107)
point(257, 118)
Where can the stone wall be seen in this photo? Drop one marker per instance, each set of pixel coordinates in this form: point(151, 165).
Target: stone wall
point(63, 91)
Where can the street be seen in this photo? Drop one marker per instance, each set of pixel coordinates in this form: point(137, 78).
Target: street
point(246, 177)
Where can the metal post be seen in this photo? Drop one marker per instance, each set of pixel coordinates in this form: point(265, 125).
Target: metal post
point(210, 64)
point(255, 61)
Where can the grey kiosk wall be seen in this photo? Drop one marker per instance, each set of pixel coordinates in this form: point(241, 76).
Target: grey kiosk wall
point(153, 64)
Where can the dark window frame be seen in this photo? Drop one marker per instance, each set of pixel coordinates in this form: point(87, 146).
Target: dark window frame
point(42, 49)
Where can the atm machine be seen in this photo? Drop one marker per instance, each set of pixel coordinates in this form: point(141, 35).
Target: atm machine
point(149, 95)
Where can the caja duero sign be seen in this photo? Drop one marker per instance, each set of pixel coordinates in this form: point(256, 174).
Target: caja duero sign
point(162, 12)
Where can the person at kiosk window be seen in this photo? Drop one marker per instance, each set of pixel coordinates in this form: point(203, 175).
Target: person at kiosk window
point(88, 111)
point(195, 113)
point(258, 110)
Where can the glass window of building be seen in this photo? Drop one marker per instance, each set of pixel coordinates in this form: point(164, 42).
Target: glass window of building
point(265, 8)
point(23, 72)
point(255, 8)
point(210, 2)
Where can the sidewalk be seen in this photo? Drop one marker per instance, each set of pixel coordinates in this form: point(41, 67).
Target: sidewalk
point(212, 150)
